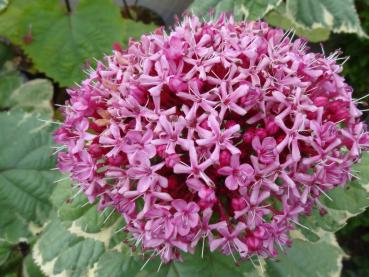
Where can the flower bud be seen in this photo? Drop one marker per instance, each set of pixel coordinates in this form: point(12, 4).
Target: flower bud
point(238, 204)
point(230, 123)
point(160, 150)
point(224, 158)
point(321, 101)
point(272, 128)
point(248, 136)
point(261, 133)
point(253, 243)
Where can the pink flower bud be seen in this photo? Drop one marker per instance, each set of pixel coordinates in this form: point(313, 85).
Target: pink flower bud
point(261, 133)
point(280, 138)
point(260, 232)
point(117, 160)
point(230, 123)
point(323, 211)
point(224, 158)
point(95, 150)
point(321, 101)
point(253, 243)
point(204, 124)
point(160, 150)
point(272, 128)
point(172, 183)
point(248, 136)
point(238, 204)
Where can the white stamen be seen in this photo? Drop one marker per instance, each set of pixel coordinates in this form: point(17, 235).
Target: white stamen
point(62, 179)
point(301, 225)
point(106, 219)
point(323, 192)
point(147, 261)
point(202, 249)
point(49, 121)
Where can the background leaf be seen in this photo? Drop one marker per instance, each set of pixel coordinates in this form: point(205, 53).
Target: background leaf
point(34, 96)
point(10, 79)
point(339, 16)
point(82, 218)
point(68, 253)
point(30, 269)
point(314, 19)
point(3, 4)
point(64, 48)
point(84, 215)
point(241, 9)
point(10, 257)
point(279, 17)
point(26, 181)
point(304, 258)
point(125, 263)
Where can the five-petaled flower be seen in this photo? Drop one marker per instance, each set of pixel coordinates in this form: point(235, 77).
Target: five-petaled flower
point(237, 175)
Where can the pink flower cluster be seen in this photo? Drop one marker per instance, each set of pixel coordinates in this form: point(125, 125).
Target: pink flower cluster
point(221, 133)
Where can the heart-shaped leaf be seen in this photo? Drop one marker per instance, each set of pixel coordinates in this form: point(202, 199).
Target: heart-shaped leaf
point(241, 9)
point(59, 251)
point(306, 259)
point(60, 42)
point(34, 96)
point(26, 181)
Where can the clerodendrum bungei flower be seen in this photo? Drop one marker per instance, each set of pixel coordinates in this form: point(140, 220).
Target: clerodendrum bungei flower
point(220, 132)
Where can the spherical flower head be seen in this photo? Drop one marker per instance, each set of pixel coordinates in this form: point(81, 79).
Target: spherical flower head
point(219, 132)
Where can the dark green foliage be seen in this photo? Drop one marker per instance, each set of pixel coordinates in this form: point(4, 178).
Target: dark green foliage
point(357, 67)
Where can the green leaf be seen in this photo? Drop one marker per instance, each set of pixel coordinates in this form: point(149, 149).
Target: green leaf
point(313, 19)
point(12, 225)
point(279, 18)
point(361, 170)
point(6, 53)
point(62, 48)
point(5, 252)
point(339, 16)
point(9, 81)
point(304, 258)
point(26, 181)
point(210, 265)
point(81, 214)
point(59, 251)
point(116, 264)
point(352, 198)
point(11, 256)
point(134, 29)
point(3, 5)
point(30, 269)
point(10, 26)
point(62, 192)
point(242, 9)
point(34, 96)
point(82, 218)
